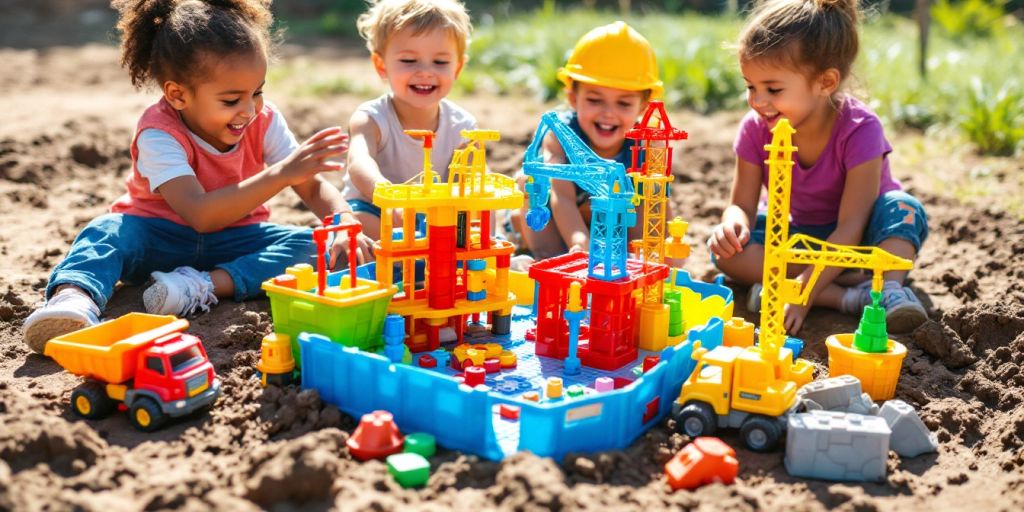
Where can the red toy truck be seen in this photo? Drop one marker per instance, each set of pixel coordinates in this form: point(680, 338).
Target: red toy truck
point(144, 361)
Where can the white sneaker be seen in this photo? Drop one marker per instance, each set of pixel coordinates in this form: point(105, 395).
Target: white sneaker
point(903, 310)
point(180, 292)
point(68, 310)
point(856, 298)
point(754, 298)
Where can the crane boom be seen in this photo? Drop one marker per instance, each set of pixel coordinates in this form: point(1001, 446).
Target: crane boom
point(606, 181)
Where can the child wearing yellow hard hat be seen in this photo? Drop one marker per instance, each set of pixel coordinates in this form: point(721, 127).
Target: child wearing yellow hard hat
point(611, 75)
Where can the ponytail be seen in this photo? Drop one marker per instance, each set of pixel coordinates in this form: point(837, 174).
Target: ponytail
point(811, 35)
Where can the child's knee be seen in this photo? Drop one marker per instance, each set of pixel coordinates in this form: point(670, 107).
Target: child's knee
point(897, 214)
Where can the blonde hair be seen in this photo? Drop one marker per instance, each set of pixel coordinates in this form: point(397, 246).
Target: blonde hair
point(385, 18)
point(809, 35)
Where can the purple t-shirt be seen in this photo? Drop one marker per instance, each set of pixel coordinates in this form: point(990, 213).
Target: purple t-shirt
point(817, 191)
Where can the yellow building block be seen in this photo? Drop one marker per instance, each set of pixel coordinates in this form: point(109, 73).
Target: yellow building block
point(738, 333)
point(305, 277)
point(653, 331)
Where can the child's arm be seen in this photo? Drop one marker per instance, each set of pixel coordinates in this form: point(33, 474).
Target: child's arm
point(211, 211)
point(859, 193)
point(362, 155)
point(564, 211)
point(727, 238)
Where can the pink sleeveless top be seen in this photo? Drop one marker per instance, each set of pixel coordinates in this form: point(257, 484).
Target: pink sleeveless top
point(212, 170)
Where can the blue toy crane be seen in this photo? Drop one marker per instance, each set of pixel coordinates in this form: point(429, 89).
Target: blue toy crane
point(606, 181)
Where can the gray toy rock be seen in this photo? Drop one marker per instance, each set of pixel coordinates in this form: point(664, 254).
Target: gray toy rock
point(842, 394)
point(910, 437)
point(837, 446)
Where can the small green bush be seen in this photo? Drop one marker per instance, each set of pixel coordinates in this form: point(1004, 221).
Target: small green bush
point(993, 118)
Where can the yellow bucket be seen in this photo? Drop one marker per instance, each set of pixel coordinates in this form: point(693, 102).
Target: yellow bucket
point(878, 372)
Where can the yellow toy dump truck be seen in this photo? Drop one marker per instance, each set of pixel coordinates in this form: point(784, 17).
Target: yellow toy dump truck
point(144, 361)
point(740, 387)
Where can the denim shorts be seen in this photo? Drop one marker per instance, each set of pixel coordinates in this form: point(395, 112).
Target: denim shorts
point(895, 214)
point(118, 247)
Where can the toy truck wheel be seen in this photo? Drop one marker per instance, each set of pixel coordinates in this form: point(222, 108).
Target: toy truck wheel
point(146, 414)
point(760, 434)
point(91, 401)
point(696, 419)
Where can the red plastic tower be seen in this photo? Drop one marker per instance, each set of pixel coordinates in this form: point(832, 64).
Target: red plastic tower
point(612, 307)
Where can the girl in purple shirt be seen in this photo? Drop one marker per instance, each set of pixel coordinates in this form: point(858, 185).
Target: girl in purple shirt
point(794, 55)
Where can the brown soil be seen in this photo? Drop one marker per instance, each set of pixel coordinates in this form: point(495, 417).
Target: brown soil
point(67, 118)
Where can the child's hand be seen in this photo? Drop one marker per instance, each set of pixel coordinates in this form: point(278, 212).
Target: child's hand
point(794, 318)
point(311, 158)
point(339, 249)
point(728, 238)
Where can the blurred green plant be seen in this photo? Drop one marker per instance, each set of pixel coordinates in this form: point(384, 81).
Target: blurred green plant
point(970, 18)
point(993, 118)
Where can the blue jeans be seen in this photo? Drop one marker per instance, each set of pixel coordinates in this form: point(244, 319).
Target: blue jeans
point(117, 247)
point(895, 214)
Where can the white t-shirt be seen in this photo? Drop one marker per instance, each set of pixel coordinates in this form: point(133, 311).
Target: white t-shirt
point(399, 156)
point(161, 157)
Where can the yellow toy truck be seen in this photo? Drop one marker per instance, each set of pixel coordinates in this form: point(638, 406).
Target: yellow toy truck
point(739, 387)
point(144, 361)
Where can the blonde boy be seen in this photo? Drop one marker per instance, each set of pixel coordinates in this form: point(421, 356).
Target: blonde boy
point(419, 47)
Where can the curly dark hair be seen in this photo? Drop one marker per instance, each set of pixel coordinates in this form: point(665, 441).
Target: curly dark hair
point(171, 39)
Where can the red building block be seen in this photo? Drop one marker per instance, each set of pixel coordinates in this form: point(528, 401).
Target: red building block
point(474, 375)
point(428, 361)
point(509, 412)
point(705, 460)
point(376, 437)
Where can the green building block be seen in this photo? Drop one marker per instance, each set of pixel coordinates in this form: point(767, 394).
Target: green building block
point(871, 335)
point(421, 443)
point(409, 469)
point(674, 299)
point(575, 391)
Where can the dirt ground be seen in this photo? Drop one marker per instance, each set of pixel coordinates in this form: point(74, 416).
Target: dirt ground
point(66, 119)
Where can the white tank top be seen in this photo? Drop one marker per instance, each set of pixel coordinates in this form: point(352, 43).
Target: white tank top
point(400, 157)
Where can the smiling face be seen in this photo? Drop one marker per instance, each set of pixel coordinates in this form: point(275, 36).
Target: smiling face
point(228, 98)
point(420, 68)
point(775, 91)
point(605, 114)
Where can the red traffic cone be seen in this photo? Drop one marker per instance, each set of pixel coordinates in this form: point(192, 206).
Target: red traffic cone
point(376, 437)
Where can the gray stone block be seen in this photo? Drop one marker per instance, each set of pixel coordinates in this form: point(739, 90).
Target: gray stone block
point(842, 393)
point(910, 437)
point(837, 446)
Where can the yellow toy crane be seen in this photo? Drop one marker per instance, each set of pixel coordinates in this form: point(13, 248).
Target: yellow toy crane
point(780, 250)
point(754, 388)
point(651, 171)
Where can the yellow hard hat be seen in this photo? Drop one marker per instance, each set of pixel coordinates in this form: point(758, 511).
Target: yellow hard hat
point(614, 56)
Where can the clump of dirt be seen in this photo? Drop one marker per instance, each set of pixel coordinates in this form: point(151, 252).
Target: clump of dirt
point(942, 342)
point(300, 472)
point(33, 435)
point(291, 412)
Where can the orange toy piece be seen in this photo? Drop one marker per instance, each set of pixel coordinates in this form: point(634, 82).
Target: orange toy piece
point(376, 437)
point(704, 461)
